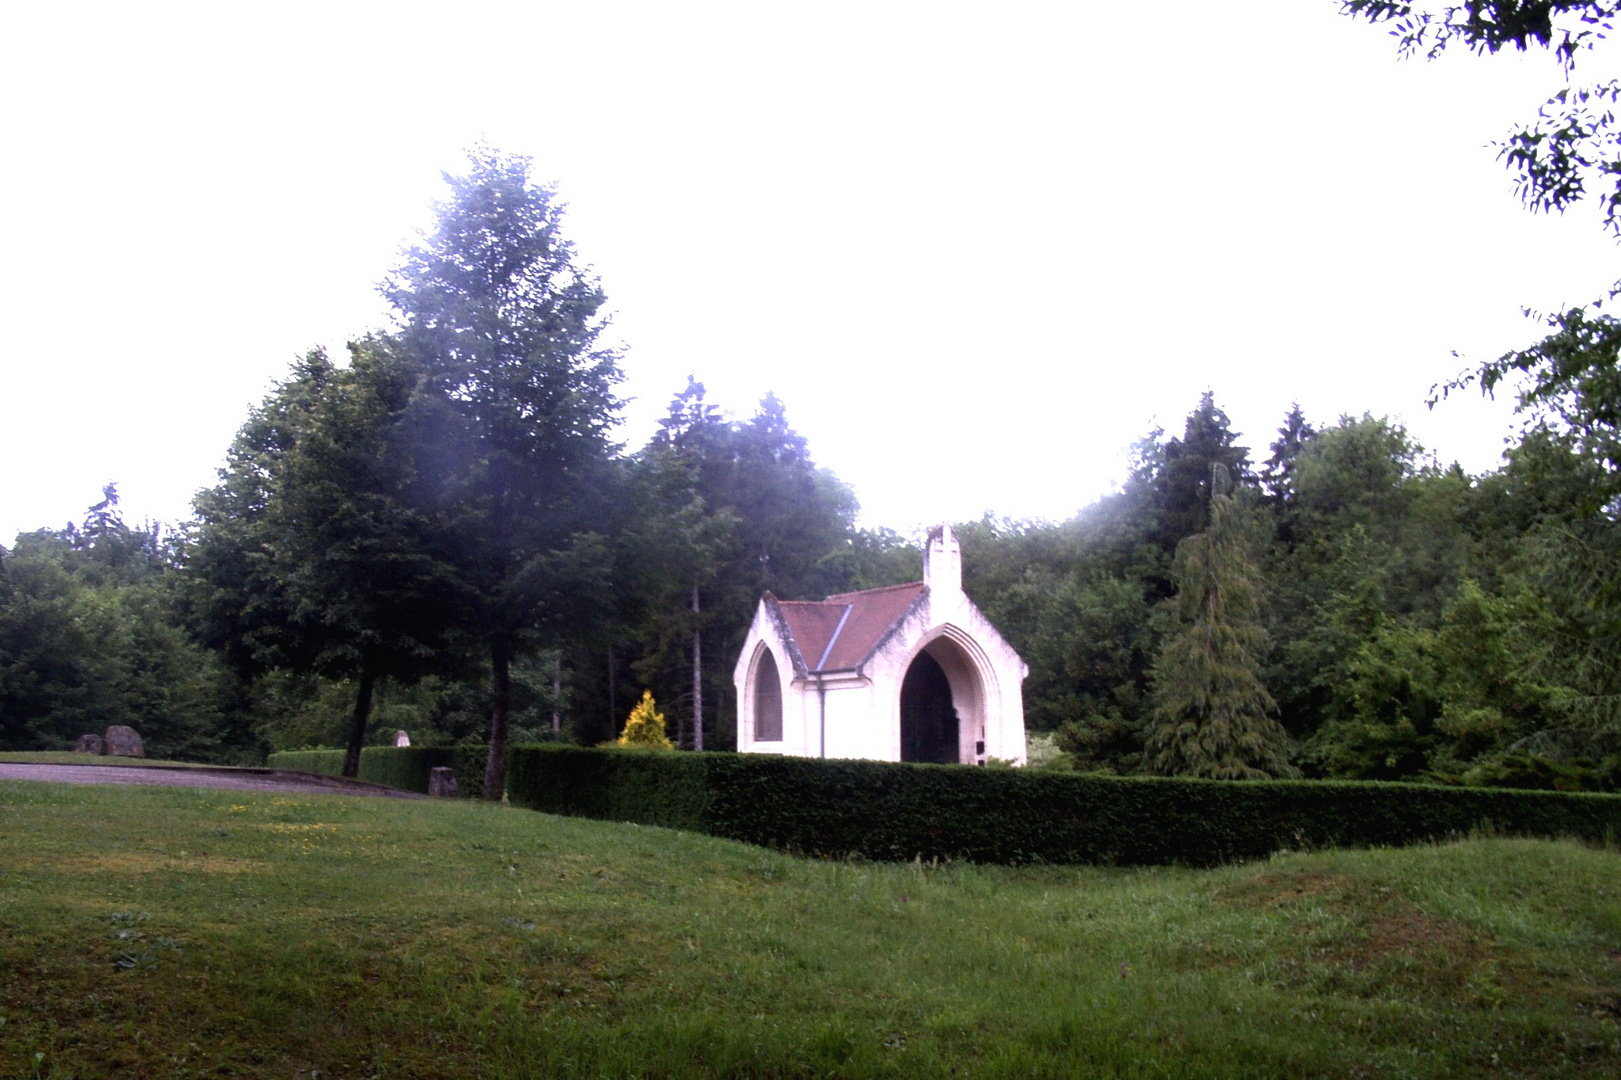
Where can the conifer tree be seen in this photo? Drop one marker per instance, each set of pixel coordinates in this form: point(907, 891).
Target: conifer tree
point(1212, 716)
point(644, 729)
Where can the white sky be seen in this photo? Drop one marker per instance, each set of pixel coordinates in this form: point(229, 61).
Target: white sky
point(977, 250)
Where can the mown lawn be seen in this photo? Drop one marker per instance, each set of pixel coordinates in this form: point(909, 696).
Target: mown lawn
point(69, 757)
point(150, 932)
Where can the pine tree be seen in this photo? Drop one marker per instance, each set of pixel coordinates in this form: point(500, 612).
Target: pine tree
point(1212, 717)
point(644, 729)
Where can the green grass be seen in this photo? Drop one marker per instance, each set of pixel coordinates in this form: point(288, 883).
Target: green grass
point(152, 932)
point(70, 757)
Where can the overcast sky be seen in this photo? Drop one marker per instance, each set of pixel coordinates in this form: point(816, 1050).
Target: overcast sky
point(976, 249)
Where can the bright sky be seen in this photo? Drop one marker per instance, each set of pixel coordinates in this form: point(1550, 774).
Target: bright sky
point(976, 249)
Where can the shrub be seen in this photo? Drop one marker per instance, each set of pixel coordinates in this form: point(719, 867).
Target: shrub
point(880, 810)
point(403, 767)
point(470, 758)
point(644, 728)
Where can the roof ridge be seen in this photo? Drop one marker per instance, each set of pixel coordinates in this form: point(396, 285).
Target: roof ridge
point(839, 597)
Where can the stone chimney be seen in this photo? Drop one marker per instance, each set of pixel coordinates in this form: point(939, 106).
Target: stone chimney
point(942, 561)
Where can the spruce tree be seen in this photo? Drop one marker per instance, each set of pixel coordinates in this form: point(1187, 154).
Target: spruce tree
point(1212, 717)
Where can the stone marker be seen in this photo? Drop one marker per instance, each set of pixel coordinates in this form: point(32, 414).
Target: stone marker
point(442, 782)
point(90, 744)
point(402, 738)
point(123, 742)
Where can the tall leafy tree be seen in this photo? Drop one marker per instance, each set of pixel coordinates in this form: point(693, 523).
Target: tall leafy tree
point(1212, 716)
point(312, 553)
point(506, 325)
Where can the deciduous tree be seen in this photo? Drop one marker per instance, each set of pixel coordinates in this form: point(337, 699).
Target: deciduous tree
point(506, 325)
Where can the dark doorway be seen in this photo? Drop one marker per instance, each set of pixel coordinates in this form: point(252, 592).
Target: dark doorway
point(928, 720)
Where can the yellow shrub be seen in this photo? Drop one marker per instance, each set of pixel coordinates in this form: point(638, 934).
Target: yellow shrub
point(645, 727)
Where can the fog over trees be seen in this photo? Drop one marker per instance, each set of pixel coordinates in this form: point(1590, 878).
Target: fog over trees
point(439, 532)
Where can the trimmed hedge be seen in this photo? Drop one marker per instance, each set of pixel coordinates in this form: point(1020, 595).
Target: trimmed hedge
point(404, 767)
point(889, 811)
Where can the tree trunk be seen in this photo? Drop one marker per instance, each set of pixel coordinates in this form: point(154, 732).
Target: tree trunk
point(613, 695)
point(697, 675)
point(357, 724)
point(495, 768)
point(557, 694)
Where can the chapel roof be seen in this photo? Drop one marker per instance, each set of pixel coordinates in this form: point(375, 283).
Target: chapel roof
point(841, 632)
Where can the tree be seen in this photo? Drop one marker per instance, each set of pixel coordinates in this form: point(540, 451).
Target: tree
point(89, 636)
point(644, 728)
point(1277, 477)
point(690, 540)
point(506, 327)
point(733, 508)
point(1573, 141)
point(312, 554)
point(1212, 717)
point(1179, 481)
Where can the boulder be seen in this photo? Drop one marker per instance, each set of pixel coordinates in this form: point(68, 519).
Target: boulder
point(90, 744)
point(124, 742)
point(442, 782)
point(402, 738)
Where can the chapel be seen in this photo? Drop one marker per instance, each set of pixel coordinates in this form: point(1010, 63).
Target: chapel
point(905, 673)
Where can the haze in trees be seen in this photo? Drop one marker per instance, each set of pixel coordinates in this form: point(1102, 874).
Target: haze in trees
point(505, 327)
point(312, 553)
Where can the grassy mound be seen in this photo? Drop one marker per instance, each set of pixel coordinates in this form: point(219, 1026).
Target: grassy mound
point(182, 932)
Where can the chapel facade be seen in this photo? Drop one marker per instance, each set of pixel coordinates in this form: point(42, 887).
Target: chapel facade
point(905, 673)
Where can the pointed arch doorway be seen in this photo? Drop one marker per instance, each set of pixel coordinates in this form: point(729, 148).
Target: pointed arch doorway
point(941, 707)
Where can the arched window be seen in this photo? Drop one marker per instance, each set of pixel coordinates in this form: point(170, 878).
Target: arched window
point(767, 700)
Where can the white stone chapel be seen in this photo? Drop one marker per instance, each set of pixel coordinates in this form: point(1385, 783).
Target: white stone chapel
point(905, 673)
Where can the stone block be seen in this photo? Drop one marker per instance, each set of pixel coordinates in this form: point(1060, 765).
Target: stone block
point(90, 744)
point(442, 782)
point(124, 742)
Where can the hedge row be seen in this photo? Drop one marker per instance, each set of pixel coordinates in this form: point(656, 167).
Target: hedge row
point(892, 811)
point(405, 767)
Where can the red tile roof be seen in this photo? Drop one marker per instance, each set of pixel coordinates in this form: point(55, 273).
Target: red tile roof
point(841, 632)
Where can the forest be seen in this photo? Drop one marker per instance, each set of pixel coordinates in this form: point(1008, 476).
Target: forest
point(439, 533)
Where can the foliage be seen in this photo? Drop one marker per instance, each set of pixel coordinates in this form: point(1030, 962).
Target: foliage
point(733, 509)
point(644, 728)
point(1212, 717)
point(404, 767)
point(313, 553)
point(90, 637)
point(901, 811)
point(518, 394)
point(1574, 140)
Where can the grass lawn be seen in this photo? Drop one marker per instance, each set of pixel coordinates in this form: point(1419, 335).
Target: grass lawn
point(70, 757)
point(151, 932)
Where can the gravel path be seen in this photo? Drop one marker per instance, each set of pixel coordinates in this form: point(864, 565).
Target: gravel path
point(230, 779)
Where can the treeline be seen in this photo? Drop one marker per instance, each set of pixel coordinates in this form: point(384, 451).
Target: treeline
point(1409, 621)
point(441, 535)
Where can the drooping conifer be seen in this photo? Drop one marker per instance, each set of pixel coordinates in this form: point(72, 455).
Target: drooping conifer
point(1212, 716)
